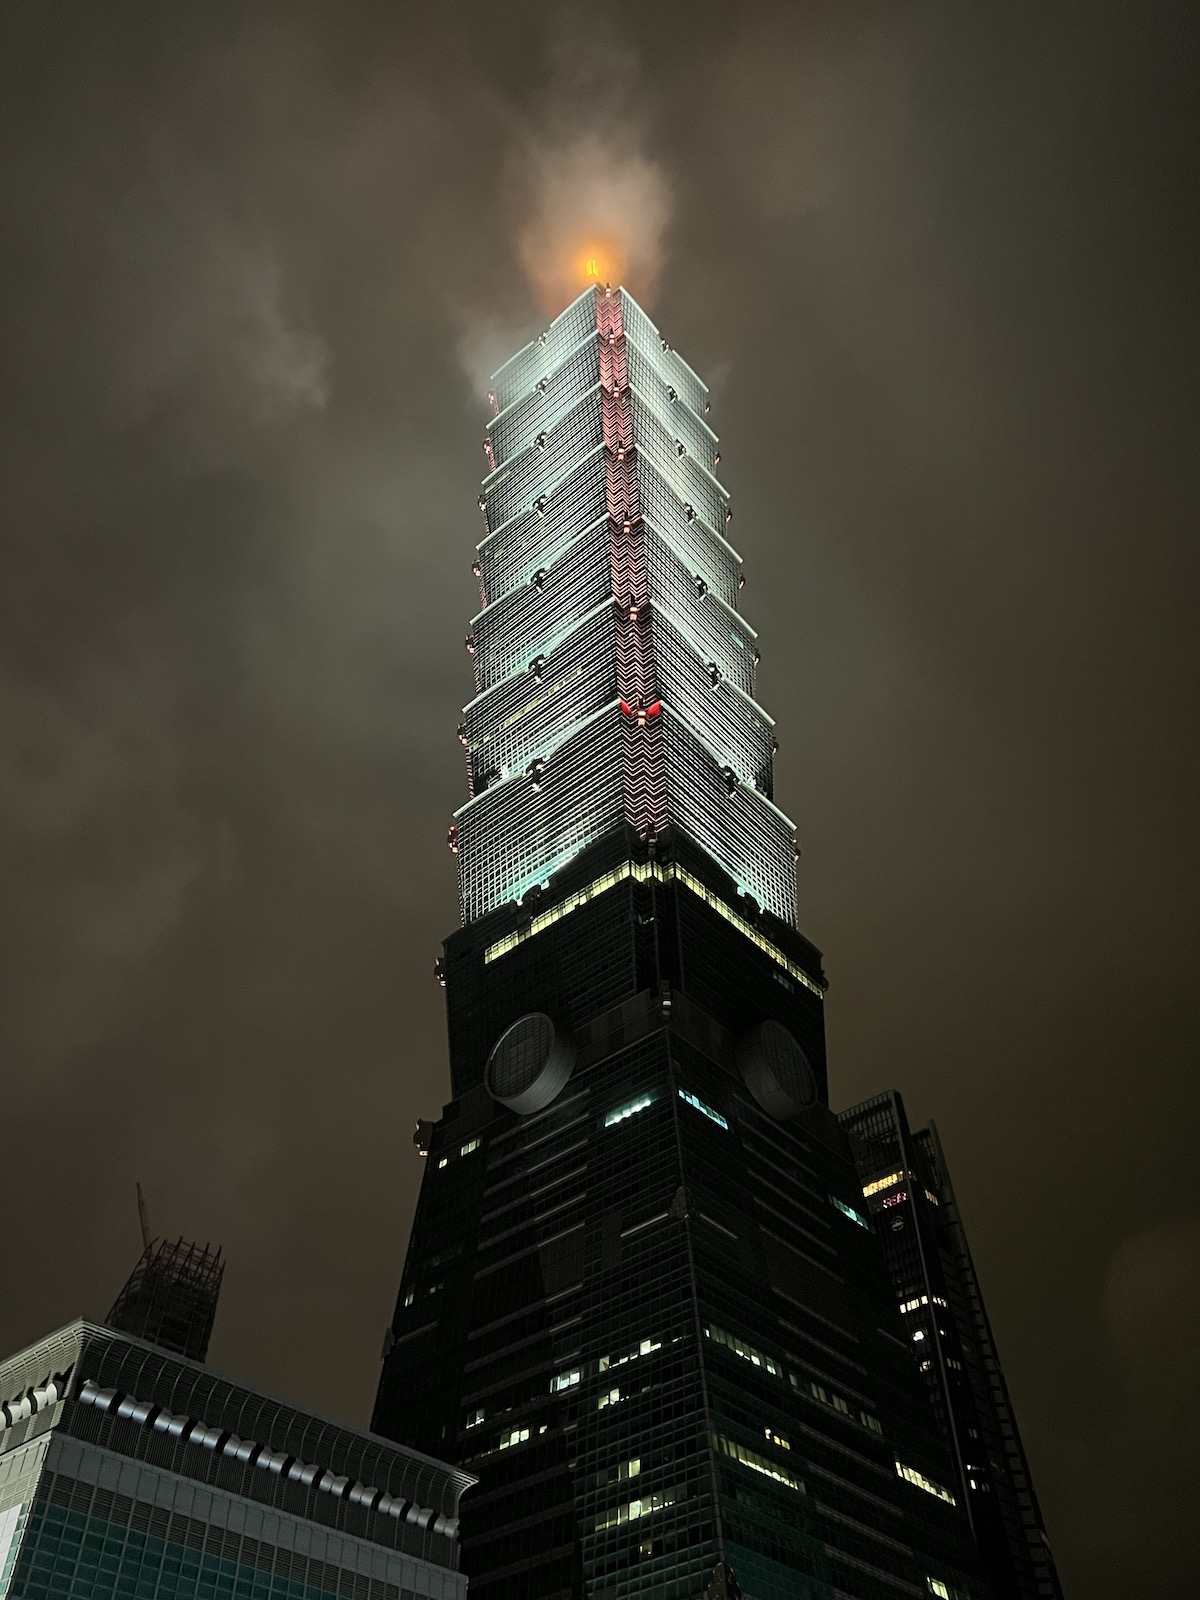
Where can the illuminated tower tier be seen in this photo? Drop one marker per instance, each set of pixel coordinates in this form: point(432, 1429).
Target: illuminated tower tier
point(615, 675)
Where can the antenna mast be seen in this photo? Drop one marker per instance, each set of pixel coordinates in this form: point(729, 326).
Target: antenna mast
point(143, 1218)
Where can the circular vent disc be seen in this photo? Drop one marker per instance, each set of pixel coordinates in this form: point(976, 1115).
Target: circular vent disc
point(775, 1070)
point(529, 1064)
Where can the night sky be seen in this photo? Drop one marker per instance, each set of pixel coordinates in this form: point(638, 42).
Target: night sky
point(938, 263)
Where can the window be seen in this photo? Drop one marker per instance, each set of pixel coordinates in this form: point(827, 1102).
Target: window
point(631, 1110)
point(777, 1438)
point(647, 1347)
point(756, 1463)
point(474, 1419)
point(849, 1211)
point(713, 1116)
point(612, 1398)
point(883, 1183)
point(658, 1501)
point(565, 1380)
point(464, 1150)
point(911, 1475)
point(842, 1407)
point(513, 1436)
point(747, 1352)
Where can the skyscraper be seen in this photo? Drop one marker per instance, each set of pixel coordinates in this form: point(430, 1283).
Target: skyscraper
point(642, 1300)
point(907, 1188)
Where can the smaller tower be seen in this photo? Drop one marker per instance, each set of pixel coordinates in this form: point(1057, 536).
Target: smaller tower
point(170, 1298)
point(908, 1193)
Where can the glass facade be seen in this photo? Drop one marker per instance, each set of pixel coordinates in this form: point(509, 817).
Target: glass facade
point(69, 1555)
point(642, 1301)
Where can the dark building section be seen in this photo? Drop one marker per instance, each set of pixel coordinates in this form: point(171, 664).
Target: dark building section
point(648, 1312)
point(171, 1297)
point(127, 1471)
point(907, 1188)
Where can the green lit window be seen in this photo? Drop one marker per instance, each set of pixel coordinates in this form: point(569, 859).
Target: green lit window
point(622, 1113)
point(713, 1116)
point(849, 1211)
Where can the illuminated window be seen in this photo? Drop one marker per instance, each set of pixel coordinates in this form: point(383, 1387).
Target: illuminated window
point(565, 1380)
point(513, 1436)
point(630, 1110)
point(629, 1469)
point(777, 1438)
point(645, 1348)
point(944, 1591)
point(911, 1475)
point(475, 1419)
point(471, 1144)
point(713, 1116)
point(843, 1408)
point(658, 1501)
point(882, 1183)
point(756, 1463)
point(612, 1398)
point(849, 1211)
point(747, 1352)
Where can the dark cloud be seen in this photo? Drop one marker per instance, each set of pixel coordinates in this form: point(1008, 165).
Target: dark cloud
point(259, 262)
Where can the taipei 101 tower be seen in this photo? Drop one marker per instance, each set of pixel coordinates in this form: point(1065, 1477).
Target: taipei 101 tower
point(645, 1301)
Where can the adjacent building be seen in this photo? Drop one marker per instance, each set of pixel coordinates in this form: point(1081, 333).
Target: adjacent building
point(170, 1297)
point(643, 1301)
point(908, 1193)
point(129, 1471)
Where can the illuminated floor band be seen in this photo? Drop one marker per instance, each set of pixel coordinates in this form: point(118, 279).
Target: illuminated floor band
point(641, 872)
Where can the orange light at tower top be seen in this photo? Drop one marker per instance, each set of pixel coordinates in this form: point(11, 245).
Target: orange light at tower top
point(597, 263)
